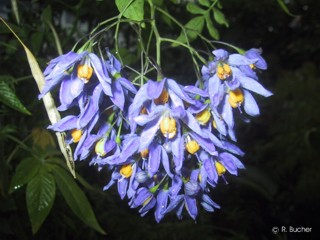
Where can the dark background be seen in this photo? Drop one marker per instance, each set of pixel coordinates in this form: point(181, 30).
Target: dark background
point(280, 186)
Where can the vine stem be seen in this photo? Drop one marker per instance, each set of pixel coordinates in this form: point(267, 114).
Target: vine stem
point(239, 50)
point(157, 36)
point(187, 45)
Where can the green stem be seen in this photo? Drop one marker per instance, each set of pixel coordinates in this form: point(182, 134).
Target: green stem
point(239, 50)
point(118, 140)
point(155, 188)
point(192, 51)
point(157, 36)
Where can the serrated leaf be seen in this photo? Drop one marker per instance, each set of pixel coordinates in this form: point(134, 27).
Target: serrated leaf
point(193, 28)
point(40, 195)
point(211, 29)
point(25, 171)
point(219, 17)
point(75, 198)
point(131, 9)
point(194, 8)
point(9, 98)
point(205, 3)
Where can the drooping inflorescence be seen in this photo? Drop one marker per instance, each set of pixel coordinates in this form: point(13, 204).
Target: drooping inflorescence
point(165, 144)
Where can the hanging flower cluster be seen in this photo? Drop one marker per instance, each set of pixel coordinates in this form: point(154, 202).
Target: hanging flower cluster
point(166, 145)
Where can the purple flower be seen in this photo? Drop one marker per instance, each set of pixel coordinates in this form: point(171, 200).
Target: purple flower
point(124, 176)
point(73, 71)
point(229, 83)
point(120, 86)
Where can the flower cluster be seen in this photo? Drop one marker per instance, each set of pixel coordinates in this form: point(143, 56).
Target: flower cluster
point(166, 145)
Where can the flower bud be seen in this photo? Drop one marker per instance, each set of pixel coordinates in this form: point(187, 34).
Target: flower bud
point(235, 98)
point(220, 168)
point(126, 170)
point(203, 117)
point(76, 135)
point(84, 72)
point(168, 127)
point(99, 148)
point(141, 177)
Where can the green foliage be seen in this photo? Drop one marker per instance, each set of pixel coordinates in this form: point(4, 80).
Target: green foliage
point(132, 9)
point(193, 28)
point(285, 8)
point(26, 170)
point(75, 198)
point(40, 195)
point(8, 97)
point(195, 25)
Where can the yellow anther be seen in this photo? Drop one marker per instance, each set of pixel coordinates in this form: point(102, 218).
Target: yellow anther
point(163, 98)
point(224, 71)
point(143, 111)
point(84, 72)
point(147, 200)
point(126, 170)
point(99, 148)
point(144, 153)
point(76, 135)
point(214, 124)
point(252, 66)
point(168, 127)
point(220, 168)
point(192, 146)
point(227, 69)
point(200, 177)
point(203, 117)
point(235, 98)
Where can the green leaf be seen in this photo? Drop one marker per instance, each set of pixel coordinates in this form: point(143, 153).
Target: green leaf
point(193, 28)
point(25, 171)
point(47, 18)
point(194, 8)
point(132, 9)
point(205, 3)
point(219, 17)
point(175, 1)
point(41, 192)
point(36, 41)
point(285, 9)
point(47, 13)
point(75, 198)
point(8, 97)
point(157, 2)
point(212, 30)
point(15, 10)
